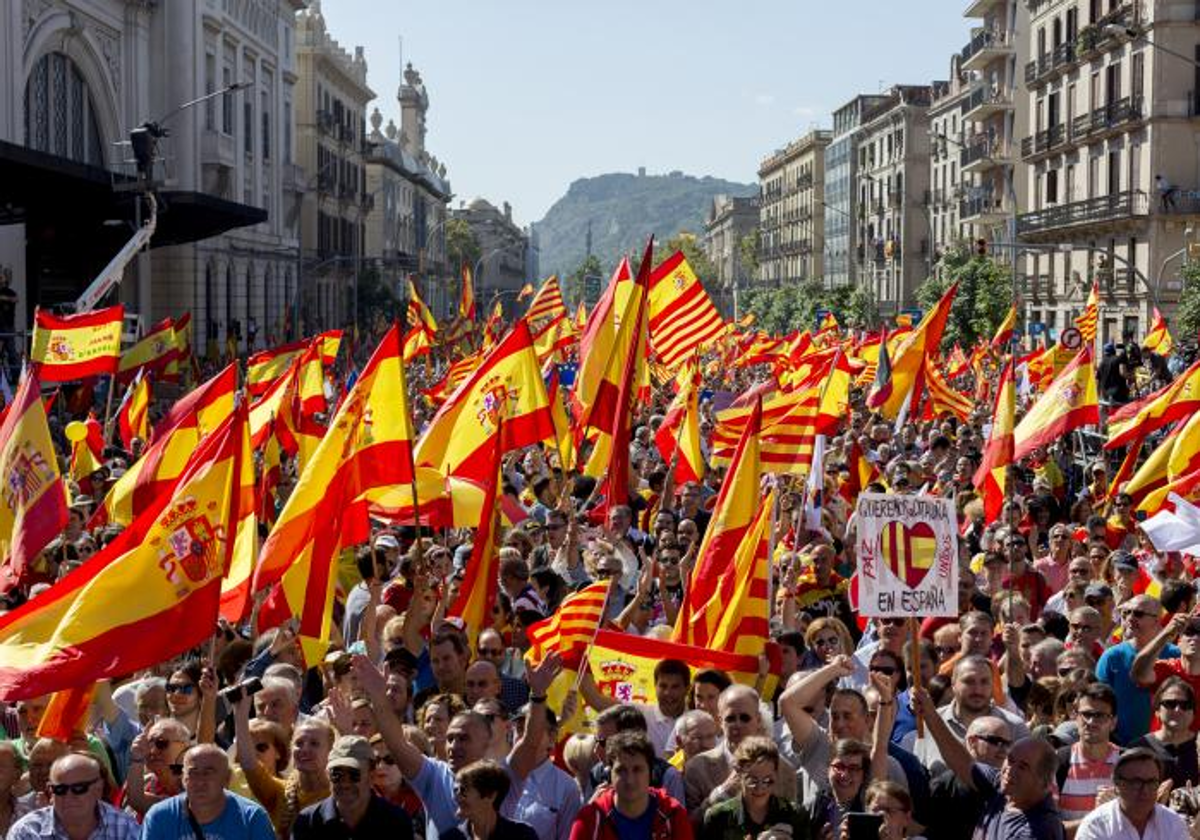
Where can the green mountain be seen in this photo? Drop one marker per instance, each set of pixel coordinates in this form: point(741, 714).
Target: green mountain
point(622, 210)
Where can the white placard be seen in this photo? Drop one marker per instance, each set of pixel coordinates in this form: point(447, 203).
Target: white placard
point(907, 556)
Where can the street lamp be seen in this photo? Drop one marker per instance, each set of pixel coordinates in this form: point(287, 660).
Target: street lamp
point(479, 263)
point(1137, 33)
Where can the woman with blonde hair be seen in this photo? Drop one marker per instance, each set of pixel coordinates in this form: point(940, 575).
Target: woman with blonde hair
point(827, 638)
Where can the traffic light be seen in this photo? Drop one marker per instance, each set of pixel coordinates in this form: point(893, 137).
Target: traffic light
point(981, 247)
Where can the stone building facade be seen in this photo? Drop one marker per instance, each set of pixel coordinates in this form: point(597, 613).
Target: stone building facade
point(792, 211)
point(730, 220)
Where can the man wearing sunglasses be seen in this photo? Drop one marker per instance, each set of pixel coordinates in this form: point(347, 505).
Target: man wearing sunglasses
point(1150, 672)
point(205, 808)
point(76, 789)
point(1140, 622)
point(353, 809)
point(957, 805)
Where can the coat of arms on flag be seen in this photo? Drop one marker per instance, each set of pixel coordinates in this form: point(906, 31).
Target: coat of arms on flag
point(907, 556)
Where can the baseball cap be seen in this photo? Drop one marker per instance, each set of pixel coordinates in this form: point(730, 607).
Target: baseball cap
point(1125, 561)
point(1097, 590)
point(386, 541)
point(351, 751)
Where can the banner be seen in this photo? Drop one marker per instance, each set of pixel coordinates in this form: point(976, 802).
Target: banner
point(907, 556)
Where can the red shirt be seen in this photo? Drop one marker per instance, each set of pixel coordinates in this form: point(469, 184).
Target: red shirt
point(1033, 586)
point(1164, 668)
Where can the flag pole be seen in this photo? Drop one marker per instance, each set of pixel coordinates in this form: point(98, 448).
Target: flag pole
point(771, 551)
point(112, 386)
point(914, 656)
point(419, 559)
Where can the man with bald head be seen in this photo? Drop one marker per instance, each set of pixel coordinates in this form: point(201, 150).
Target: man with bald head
point(482, 681)
point(77, 808)
point(1017, 804)
point(205, 808)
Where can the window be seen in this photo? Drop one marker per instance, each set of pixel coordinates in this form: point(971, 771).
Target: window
point(59, 117)
point(248, 126)
point(210, 86)
point(287, 131)
point(227, 99)
point(266, 128)
point(1114, 172)
point(1052, 186)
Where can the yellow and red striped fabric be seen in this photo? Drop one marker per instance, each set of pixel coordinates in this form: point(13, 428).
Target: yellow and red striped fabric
point(154, 353)
point(909, 551)
point(1004, 333)
point(989, 478)
point(1086, 322)
point(546, 306)
point(944, 399)
point(1070, 402)
point(466, 300)
point(679, 431)
point(76, 346)
point(133, 417)
point(789, 428)
point(477, 594)
point(682, 316)
point(265, 367)
point(571, 629)
point(150, 594)
point(1158, 339)
point(1172, 402)
point(418, 312)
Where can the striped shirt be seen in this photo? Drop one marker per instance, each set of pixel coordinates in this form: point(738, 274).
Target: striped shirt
point(1077, 796)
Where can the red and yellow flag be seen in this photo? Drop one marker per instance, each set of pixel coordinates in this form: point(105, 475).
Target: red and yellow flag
point(508, 383)
point(147, 596)
point(679, 433)
point(944, 399)
point(1178, 399)
point(558, 413)
point(1086, 322)
point(1070, 402)
point(481, 579)
point(1004, 333)
point(35, 499)
point(87, 453)
point(133, 417)
point(1158, 340)
point(76, 346)
point(466, 300)
point(267, 366)
point(571, 629)
point(989, 478)
point(153, 354)
point(547, 305)
point(908, 362)
point(682, 316)
point(418, 312)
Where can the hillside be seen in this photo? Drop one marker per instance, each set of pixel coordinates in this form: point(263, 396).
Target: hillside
point(623, 210)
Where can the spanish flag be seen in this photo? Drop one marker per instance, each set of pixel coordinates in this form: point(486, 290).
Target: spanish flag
point(35, 499)
point(133, 416)
point(1158, 340)
point(881, 387)
point(678, 437)
point(157, 349)
point(76, 346)
point(417, 342)
point(989, 478)
point(508, 383)
point(558, 413)
point(1152, 475)
point(87, 455)
point(1004, 333)
point(596, 347)
point(266, 366)
point(1086, 323)
point(1070, 402)
point(147, 596)
point(466, 300)
point(682, 316)
point(908, 361)
point(1174, 401)
point(481, 580)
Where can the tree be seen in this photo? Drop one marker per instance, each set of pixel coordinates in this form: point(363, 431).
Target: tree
point(748, 253)
point(783, 309)
point(573, 285)
point(983, 299)
point(376, 301)
point(462, 248)
point(1187, 316)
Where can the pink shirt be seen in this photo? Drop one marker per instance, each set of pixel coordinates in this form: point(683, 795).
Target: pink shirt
point(1055, 573)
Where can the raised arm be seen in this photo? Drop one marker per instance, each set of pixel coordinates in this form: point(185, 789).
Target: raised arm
point(529, 750)
point(1143, 664)
point(408, 758)
point(954, 752)
point(805, 693)
point(885, 719)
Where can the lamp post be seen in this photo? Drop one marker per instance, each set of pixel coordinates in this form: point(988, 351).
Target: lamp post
point(482, 261)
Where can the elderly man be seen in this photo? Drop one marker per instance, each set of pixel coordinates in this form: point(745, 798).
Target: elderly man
point(1140, 617)
point(76, 790)
point(695, 732)
point(156, 750)
point(481, 681)
point(206, 808)
point(1017, 803)
point(709, 777)
point(957, 805)
point(353, 809)
point(972, 690)
point(278, 702)
point(1135, 811)
point(1085, 630)
point(514, 693)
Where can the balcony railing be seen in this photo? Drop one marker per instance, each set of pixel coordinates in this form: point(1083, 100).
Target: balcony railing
point(1106, 117)
point(987, 39)
point(985, 203)
point(1044, 142)
point(1048, 64)
point(1180, 202)
point(1104, 208)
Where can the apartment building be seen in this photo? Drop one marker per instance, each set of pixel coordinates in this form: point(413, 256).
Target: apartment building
point(894, 253)
point(840, 200)
point(945, 185)
point(1110, 157)
point(792, 210)
point(503, 251)
point(730, 219)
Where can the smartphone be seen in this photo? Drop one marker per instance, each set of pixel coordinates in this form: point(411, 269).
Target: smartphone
point(860, 826)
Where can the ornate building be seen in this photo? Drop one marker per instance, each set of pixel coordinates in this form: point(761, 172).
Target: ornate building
point(792, 211)
point(500, 271)
point(730, 220)
point(840, 199)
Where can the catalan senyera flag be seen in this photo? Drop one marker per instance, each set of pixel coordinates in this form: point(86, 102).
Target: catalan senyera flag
point(1158, 340)
point(70, 347)
point(908, 362)
point(147, 596)
point(35, 498)
point(1004, 333)
point(87, 455)
point(788, 432)
point(267, 366)
point(943, 398)
point(156, 350)
point(481, 579)
point(736, 617)
point(1070, 402)
point(175, 438)
point(526, 291)
point(732, 517)
point(466, 300)
point(679, 433)
point(133, 416)
point(547, 305)
point(989, 478)
point(682, 316)
point(1177, 399)
point(623, 664)
point(1087, 321)
point(571, 629)
point(555, 338)
point(367, 446)
point(418, 312)
point(509, 383)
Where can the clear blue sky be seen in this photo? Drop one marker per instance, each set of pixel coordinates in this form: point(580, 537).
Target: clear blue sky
point(528, 95)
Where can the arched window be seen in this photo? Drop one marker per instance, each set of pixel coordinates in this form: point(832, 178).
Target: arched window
point(59, 117)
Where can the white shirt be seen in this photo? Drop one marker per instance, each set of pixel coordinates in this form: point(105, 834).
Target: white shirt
point(659, 726)
point(1107, 822)
point(549, 802)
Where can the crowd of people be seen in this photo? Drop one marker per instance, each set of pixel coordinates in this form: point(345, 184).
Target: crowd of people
point(1060, 703)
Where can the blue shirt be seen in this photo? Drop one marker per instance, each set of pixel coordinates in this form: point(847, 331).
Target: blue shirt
point(1133, 701)
point(638, 828)
point(242, 819)
point(434, 784)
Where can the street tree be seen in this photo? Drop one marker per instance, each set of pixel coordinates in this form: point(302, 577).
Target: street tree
point(748, 254)
point(692, 248)
point(462, 248)
point(1187, 316)
point(983, 299)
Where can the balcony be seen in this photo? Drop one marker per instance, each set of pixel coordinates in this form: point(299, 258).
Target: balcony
point(1044, 143)
point(986, 45)
point(985, 101)
point(895, 198)
point(984, 208)
point(977, 8)
point(1050, 65)
point(1107, 119)
point(982, 155)
point(216, 149)
point(326, 123)
point(292, 178)
point(1101, 210)
point(1179, 203)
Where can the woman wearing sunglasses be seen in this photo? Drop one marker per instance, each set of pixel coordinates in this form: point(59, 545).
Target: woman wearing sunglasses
point(1173, 741)
point(756, 808)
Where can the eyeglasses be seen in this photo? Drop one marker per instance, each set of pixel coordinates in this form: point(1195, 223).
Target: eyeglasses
point(161, 744)
point(340, 774)
point(758, 783)
point(740, 717)
point(1093, 717)
point(1136, 614)
point(1137, 784)
point(832, 641)
point(995, 741)
point(180, 688)
point(892, 622)
point(886, 670)
point(1176, 705)
point(74, 788)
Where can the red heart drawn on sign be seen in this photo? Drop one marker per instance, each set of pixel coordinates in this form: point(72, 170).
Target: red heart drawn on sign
point(908, 551)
